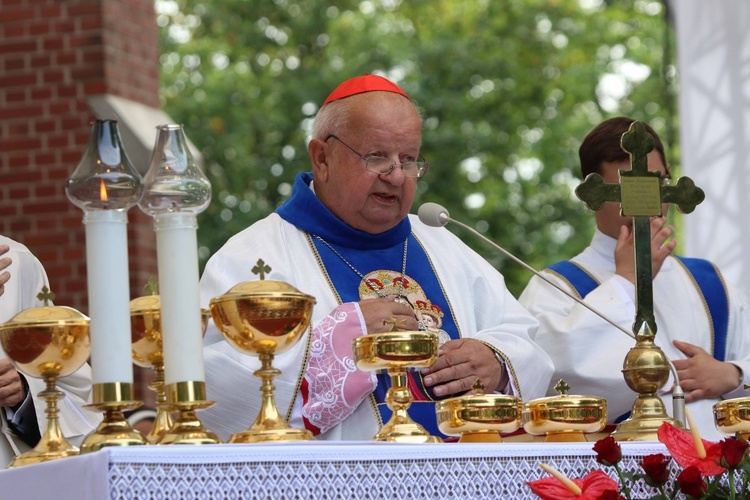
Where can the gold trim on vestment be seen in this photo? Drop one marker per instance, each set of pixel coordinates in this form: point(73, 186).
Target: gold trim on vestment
point(512, 378)
point(300, 374)
point(703, 299)
point(324, 271)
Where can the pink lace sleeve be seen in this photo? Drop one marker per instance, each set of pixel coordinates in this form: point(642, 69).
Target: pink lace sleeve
point(333, 386)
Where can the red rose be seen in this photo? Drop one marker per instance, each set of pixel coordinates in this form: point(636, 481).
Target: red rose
point(656, 468)
point(691, 482)
point(732, 452)
point(608, 452)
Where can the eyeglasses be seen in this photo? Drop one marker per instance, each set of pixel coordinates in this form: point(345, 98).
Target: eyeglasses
point(383, 166)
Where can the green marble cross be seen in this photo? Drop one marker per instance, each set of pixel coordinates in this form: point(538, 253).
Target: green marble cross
point(641, 196)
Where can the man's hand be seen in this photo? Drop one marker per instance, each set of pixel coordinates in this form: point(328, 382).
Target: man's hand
point(4, 263)
point(460, 363)
point(702, 376)
point(11, 386)
point(660, 248)
point(381, 314)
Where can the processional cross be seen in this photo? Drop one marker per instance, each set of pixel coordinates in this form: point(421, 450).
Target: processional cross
point(641, 195)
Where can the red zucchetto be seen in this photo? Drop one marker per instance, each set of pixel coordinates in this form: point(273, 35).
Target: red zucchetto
point(362, 84)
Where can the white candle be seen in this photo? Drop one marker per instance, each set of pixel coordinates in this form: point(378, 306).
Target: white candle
point(182, 332)
point(109, 296)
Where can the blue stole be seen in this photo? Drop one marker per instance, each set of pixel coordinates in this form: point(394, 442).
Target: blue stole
point(703, 272)
point(367, 253)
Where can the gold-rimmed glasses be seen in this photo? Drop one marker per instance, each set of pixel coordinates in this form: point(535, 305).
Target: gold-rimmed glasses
point(383, 166)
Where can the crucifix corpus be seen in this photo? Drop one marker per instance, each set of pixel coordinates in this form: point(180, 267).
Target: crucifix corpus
point(641, 195)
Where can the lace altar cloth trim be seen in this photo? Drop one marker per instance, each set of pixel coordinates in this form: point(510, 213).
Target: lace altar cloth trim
point(353, 470)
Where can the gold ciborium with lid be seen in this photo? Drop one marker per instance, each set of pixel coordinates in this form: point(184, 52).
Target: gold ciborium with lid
point(732, 416)
point(263, 318)
point(479, 417)
point(147, 346)
point(565, 418)
point(47, 342)
point(395, 352)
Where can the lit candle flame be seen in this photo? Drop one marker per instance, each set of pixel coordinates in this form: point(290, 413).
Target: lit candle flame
point(103, 191)
point(700, 450)
point(568, 483)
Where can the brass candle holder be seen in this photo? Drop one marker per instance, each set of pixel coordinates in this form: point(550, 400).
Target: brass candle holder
point(264, 318)
point(47, 342)
point(145, 316)
point(732, 416)
point(114, 430)
point(479, 417)
point(565, 418)
point(395, 352)
point(185, 398)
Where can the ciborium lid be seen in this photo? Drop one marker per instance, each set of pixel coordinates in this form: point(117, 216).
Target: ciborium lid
point(46, 316)
point(262, 316)
point(263, 288)
point(565, 415)
point(148, 304)
point(47, 340)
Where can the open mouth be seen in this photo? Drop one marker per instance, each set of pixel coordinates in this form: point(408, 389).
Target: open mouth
point(385, 196)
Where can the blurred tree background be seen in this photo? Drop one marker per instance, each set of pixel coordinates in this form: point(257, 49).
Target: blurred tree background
point(508, 90)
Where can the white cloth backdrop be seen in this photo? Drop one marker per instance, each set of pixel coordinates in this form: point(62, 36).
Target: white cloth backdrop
point(713, 46)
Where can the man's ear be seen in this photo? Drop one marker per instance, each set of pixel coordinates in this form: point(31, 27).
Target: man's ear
point(318, 151)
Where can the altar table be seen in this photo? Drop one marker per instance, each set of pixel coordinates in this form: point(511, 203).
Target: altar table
point(311, 470)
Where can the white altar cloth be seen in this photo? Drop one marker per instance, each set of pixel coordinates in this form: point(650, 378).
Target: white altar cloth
point(311, 470)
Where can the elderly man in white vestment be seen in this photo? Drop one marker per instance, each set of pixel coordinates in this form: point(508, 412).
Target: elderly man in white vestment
point(22, 416)
point(702, 321)
point(345, 237)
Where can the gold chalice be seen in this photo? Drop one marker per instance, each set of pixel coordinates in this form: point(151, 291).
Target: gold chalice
point(47, 342)
point(732, 416)
point(479, 417)
point(565, 418)
point(145, 324)
point(395, 352)
point(264, 318)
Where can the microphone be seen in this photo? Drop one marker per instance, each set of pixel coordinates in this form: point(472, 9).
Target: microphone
point(435, 215)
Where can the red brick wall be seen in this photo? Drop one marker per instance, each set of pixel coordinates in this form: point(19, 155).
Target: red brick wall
point(54, 54)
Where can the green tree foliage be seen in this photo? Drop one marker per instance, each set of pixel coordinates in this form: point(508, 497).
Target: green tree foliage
point(508, 89)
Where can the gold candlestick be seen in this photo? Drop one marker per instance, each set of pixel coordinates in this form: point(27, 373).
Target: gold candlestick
point(47, 342)
point(145, 316)
point(186, 397)
point(114, 430)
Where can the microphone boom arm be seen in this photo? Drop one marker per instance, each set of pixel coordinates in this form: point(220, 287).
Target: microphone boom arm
point(541, 276)
point(435, 215)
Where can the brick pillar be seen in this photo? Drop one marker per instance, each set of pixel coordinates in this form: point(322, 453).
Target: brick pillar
point(55, 55)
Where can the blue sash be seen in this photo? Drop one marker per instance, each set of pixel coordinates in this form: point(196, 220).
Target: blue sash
point(714, 293)
point(704, 273)
point(366, 253)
